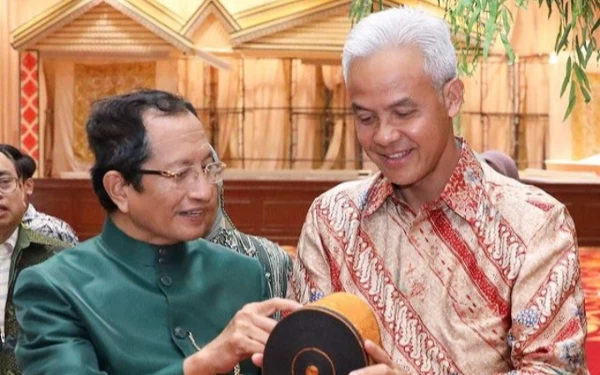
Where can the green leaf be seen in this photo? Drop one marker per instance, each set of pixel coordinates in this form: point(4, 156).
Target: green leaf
point(493, 10)
point(596, 25)
point(472, 20)
point(508, 48)
point(563, 40)
point(586, 94)
point(588, 51)
point(489, 33)
point(558, 37)
point(572, 100)
point(505, 22)
point(549, 4)
point(567, 78)
point(581, 76)
point(580, 57)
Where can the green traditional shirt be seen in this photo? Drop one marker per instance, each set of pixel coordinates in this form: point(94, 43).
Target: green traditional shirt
point(114, 305)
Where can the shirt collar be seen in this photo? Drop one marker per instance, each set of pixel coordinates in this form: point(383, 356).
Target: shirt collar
point(462, 192)
point(121, 246)
point(10, 243)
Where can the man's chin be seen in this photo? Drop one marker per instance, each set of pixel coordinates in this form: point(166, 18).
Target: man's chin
point(400, 180)
point(190, 233)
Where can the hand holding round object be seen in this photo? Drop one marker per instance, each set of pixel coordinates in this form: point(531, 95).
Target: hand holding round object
point(323, 338)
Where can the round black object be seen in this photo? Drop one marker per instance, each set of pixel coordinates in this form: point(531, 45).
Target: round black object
point(314, 341)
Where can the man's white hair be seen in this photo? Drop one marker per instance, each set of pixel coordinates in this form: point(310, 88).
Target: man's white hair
point(402, 27)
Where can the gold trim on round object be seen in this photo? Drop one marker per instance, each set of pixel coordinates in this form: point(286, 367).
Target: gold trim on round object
point(354, 311)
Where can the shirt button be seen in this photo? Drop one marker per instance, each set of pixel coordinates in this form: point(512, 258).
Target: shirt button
point(162, 251)
point(161, 260)
point(166, 280)
point(179, 333)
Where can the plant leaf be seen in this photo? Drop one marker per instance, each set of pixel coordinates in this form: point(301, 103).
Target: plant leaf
point(549, 4)
point(563, 40)
point(581, 76)
point(567, 78)
point(580, 57)
point(508, 48)
point(586, 94)
point(588, 51)
point(596, 25)
point(572, 100)
point(505, 23)
point(489, 33)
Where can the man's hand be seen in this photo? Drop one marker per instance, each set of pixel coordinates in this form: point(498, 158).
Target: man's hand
point(384, 364)
point(245, 335)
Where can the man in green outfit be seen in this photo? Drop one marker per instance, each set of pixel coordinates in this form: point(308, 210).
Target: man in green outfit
point(144, 297)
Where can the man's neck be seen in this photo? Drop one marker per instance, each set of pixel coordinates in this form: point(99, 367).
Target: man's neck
point(431, 187)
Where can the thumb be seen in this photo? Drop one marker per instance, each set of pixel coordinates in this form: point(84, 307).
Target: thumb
point(378, 354)
point(257, 359)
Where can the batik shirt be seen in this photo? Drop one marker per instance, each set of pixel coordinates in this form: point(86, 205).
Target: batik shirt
point(49, 226)
point(483, 280)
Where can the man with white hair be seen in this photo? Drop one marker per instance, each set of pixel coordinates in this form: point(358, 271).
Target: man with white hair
point(466, 270)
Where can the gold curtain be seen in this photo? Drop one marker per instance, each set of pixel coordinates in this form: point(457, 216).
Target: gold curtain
point(266, 121)
point(93, 82)
point(585, 123)
point(228, 102)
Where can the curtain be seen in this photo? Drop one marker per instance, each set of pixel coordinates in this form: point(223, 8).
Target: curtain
point(584, 122)
point(496, 95)
point(266, 123)
point(333, 80)
point(228, 104)
point(306, 118)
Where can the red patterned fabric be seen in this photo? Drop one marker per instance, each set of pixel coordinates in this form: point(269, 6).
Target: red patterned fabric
point(483, 280)
point(30, 118)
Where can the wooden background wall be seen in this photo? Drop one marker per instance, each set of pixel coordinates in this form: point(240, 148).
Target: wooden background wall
point(277, 209)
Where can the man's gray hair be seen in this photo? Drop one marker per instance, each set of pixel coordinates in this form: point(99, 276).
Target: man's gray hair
point(400, 27)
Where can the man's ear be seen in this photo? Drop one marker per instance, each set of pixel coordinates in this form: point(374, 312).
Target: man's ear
point(28, 186)
point(453, 96)
point(116, 187)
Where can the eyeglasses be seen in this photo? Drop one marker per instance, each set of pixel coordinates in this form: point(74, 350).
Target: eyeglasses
point(188, 176)
point(8, 184)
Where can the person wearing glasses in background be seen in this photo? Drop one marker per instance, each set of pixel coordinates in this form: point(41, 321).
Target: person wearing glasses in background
point(33, 219)
point(145, 296)
point(20, 247)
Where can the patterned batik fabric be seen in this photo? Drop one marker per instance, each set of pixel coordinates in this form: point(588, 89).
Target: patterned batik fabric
point(274, 260)
point(49, 226)
point(483, 280)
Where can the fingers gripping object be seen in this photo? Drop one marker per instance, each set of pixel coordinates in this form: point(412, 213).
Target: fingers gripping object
point(323, 338)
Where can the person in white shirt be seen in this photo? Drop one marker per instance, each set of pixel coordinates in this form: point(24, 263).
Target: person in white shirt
point(19, 248)
point(35, 220)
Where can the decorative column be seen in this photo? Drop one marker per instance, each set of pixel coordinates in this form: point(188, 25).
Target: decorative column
point(29, 107)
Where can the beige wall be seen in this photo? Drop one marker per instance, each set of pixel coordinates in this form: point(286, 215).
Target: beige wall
point(12, 14)
point(15, 12)
point(9, 90)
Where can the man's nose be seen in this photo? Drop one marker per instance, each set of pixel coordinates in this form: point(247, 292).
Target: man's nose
point(200, 188)
point(386, 134)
